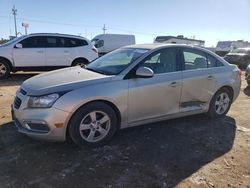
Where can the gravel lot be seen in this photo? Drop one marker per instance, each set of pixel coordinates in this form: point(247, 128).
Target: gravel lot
point(186, 152)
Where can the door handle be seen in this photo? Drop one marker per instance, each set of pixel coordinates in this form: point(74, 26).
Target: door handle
point(173, 84)
point(210, 77)
point(66, 51)
point(40, 51)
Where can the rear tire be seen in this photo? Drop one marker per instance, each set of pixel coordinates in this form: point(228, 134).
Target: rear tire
point(93, 124)
point(220, 103)
point(4, 69)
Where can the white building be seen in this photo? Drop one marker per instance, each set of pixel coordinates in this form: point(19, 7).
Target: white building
point(178, 40)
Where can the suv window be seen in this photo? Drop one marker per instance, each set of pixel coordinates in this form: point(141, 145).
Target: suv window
point(64, 42)
point(51, 42)
point(72, 42)
point(162, 61)
point(33, 42)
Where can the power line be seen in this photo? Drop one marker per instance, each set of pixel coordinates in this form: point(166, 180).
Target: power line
point(82, 25)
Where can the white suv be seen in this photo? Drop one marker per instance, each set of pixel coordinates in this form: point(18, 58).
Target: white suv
point(43, 51)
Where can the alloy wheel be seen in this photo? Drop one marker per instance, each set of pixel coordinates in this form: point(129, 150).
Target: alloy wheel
point(222, 103)
point(3, 69)
point(94, 126)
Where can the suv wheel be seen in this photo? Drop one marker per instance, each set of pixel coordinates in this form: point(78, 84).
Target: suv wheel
point(220, 103)
point(80, 62)
point(4, 69)
point(93, 124)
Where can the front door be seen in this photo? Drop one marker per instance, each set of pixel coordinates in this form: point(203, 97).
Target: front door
point(32, 53)
point(159, 95)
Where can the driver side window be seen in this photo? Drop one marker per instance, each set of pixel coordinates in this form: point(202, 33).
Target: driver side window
point(162, 61)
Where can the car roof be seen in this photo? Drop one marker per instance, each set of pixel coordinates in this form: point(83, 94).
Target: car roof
point(160, 45)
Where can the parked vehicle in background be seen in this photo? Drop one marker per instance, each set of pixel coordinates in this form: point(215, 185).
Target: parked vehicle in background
point(106, 43)
point(130, 86)
point(239, 57)
point(224, 47)
point(45, 51)
point(178, 40)
point(247, 75)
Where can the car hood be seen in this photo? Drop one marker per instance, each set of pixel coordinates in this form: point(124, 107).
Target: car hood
point(62, 80)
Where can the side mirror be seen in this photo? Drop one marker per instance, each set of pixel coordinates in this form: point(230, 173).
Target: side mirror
point(18, 45)
point(144, 72)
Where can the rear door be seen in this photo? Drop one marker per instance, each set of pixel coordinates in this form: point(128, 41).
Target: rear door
point(32, 53)
point(198, 80)
point(57, 53)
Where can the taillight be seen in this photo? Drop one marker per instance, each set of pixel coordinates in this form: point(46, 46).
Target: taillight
point(239, 72)
point(95, 50)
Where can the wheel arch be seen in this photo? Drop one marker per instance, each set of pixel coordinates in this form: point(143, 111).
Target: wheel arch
point(112, 105)
point(229, 88)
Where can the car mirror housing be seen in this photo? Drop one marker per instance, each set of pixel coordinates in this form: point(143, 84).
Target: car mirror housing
point(144, 72)
point(18, 45)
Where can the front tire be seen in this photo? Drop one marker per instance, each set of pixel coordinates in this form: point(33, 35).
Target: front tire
point(93, 124)
point(220, 103)
point(4, 69)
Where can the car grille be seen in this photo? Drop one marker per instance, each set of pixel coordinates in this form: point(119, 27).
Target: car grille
point(17, 103)
point(23, 92)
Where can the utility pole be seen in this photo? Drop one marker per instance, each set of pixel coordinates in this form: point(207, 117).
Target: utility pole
point(104, 29)
point(14, 12)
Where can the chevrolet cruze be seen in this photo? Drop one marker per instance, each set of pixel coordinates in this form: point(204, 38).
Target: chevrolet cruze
point(131, 86)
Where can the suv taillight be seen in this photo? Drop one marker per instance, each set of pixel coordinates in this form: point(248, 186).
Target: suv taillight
point(239, 72)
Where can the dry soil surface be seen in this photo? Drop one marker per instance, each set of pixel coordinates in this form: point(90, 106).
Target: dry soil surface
point(186, 152)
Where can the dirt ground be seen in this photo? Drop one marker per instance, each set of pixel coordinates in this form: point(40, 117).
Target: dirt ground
point(186, 152)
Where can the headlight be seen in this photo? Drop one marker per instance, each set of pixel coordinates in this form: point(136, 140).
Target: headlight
point(43, 101)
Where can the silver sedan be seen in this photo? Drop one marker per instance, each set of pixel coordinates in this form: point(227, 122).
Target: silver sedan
point(131, 86)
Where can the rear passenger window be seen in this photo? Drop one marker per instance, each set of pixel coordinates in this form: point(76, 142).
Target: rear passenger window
point(51, 42)
point(194, 59)
point(213, 62)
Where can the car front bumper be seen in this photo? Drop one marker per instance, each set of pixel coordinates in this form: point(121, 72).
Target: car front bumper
point(40, 123)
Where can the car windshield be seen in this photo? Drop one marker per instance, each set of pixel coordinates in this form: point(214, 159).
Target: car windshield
point(12, 41)
point(115, 62)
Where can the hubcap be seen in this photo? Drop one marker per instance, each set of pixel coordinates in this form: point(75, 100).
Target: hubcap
point(94, 126)
point(80, 64)
point(2, 69)
point(222, 103)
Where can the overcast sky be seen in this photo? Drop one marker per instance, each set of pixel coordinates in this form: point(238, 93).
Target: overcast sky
point(209, 20)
